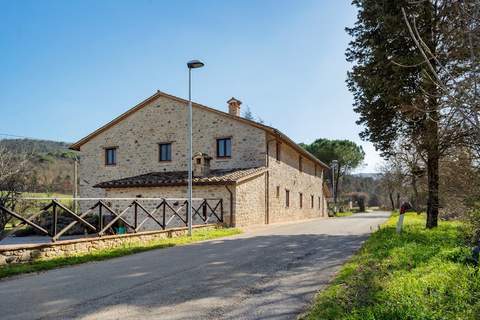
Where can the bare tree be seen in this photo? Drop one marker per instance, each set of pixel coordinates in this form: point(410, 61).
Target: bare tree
point(457, 77)
point(410, 162)
point(392, 181)
point(460, 183)
point(14, 173)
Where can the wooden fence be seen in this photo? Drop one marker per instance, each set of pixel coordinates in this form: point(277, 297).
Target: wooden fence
point(163, 212)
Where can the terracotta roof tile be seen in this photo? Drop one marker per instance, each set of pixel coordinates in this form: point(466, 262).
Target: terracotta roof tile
point(177, 178)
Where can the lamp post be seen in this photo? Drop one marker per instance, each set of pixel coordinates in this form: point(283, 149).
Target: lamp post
point(334, 165)
point(193, 64)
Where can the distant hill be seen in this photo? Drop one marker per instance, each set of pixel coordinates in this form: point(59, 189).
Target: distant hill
point(52, 163)
point(367, 175)
point(40, 148)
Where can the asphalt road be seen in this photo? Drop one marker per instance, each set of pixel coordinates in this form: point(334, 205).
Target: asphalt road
point(268, 272)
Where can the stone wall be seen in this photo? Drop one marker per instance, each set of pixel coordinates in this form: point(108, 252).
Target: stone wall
point(164, 120)
point(250, 202)
point(284, 174)
point(14, 254)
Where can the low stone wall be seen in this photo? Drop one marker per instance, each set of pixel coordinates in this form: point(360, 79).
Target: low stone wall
point(13, 254)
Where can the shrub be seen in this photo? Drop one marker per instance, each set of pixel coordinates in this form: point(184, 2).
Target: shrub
point(472, 227)
point(360, 198)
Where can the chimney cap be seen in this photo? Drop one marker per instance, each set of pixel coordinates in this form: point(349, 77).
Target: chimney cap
point(233, 100)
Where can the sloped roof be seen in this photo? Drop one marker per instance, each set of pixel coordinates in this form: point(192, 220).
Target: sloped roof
point(179, 178)
point(76, 146)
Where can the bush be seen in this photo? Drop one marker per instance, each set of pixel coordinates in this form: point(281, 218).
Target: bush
point(361, 198)
point(472, 226)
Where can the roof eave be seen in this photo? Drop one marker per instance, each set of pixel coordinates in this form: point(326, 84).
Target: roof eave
point(160, 185)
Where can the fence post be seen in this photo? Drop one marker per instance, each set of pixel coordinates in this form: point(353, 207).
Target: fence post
point(164, 204)
point(54, 220)
point(100, 216)
point(221, 210)
point(204, 208)
point(136, 215)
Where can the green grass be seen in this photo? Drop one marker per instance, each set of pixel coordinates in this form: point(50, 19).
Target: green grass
point(344, 214)
point(67, 201)
point(131, 248)
point(420, 274)
point(45, 195)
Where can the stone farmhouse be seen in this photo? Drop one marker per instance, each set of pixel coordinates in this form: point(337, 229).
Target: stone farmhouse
point(261, 174)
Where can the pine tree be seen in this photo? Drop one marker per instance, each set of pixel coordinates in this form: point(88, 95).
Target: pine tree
point(393, 92)
point(247, 114)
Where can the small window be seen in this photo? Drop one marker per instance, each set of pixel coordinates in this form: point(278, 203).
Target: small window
point(111, 156)
point(277, 151)
point(311, 201)
point(165, 151)
point(301, 200)
point(278, 192)
point(287, 198)
point(300, 164)
point(224, 148)
point(319, 203)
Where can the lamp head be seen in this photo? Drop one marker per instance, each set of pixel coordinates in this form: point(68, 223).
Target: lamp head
point(193, 64)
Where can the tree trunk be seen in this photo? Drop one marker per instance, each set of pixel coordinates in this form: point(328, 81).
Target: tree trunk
point(431, 124)
point(433, 159)
point(415, 194)
point(4, 218)
point(390, 194)
point(361, 205)
point(433, 198)
point(398, 200)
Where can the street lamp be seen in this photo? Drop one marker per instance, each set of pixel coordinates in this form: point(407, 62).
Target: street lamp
point(334, 166)
point(193, 64)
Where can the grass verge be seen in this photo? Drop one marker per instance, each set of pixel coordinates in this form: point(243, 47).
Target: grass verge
point(344, 214)
point(420, 274)
point(131, 248)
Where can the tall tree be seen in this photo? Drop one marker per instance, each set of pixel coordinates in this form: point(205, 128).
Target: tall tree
point(348, 154)
point(394, 91)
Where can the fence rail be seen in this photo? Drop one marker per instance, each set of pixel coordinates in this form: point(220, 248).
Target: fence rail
point(161, 212)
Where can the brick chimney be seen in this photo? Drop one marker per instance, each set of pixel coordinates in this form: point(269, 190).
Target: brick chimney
point(234, 107)
point(201, 164)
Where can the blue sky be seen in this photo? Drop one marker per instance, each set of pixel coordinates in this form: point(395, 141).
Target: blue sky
point(67, 67)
